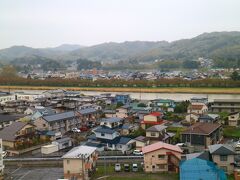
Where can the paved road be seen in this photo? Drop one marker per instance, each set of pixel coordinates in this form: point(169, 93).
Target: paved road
point(23, 173)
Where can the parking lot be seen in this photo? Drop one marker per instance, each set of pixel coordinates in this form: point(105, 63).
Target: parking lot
point(38, 173)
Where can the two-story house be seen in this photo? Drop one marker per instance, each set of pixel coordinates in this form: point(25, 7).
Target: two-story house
point(60, 122)
point(201, 135)
point(112, 122)
point(161, 157)
point(123, 112)
point(16, 132)
point(223, 155)
point(234, 119)
point(141, 141)
point(197, 108)
point(80, 162)
point(163, 105)
point(151, 119)
point(159, 133)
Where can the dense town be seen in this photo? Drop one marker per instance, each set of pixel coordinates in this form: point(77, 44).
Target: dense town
point(192, 137)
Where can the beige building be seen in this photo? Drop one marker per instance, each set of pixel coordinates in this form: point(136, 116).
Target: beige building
point(197, 108)
point(123, 112)
point(141, 142)
point(233, 119)
point(223, 156)
point(151, 119)
point(15, 134)
point(79, 163)
point(161, 157)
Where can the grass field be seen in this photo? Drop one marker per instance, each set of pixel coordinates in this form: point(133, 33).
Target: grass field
point(231, 132)
point(147, 90)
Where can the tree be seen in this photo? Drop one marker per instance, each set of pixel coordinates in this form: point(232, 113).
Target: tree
point(190, 64)
point(235, 76)
point(8, 71)
point(142, 105)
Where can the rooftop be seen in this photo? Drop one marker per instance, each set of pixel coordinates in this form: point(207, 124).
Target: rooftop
point(59, 116)
point(202, 128)
point(80, 151)
point(160, 145)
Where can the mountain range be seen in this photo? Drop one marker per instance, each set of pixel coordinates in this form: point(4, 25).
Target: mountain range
point(221, 45)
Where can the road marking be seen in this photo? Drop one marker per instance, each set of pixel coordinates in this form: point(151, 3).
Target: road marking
point(16, 170)
point(24, 175)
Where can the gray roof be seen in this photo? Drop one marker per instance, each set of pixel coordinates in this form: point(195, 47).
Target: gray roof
point(103, 129)
point(141, 138)
point(111, 120)
point(8, 117)
point(9, 132)
point(201, 155)
point(59, 116)
point(80, 151)
point(221, 149)
point(87, 111)
point(157, 128)
point(62, 140)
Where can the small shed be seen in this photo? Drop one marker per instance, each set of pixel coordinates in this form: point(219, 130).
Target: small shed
point(48, 149)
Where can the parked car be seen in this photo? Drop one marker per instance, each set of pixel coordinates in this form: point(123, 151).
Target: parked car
point(76, 130)
point(137, 152)
point(134, 167)
point(117, 167)
point(4, 154)
point(84, 128)
point(126, 167)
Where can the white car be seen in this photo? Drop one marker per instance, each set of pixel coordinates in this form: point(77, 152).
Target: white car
point(134, 167)
point(137, 152)
point(117, 167)
point(76, 130)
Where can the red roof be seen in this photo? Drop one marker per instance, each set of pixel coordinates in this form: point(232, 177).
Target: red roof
point(156, 114)
point(161, 145)
point(151, 122)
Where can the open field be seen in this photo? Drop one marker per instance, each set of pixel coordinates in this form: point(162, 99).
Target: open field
point(143, 90)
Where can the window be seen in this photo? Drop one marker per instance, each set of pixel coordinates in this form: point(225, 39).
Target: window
point(68, 172)
point(153, 156)
point(153, 166)
point(102, 134)
point(161, 166)
point(68, 161)
point(161, 156)
point(223, 158)
point(153, 134)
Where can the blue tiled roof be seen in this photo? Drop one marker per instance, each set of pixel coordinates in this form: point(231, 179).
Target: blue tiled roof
point(195, 169)
point(59, 116)
point(103, 129)
point(87, 111)
point(112, 119)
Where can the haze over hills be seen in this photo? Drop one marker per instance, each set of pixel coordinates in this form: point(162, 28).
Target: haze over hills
point(220, 45)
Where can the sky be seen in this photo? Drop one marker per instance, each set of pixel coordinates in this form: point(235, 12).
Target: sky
point(49, 23)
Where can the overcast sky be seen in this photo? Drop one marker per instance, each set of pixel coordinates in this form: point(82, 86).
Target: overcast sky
point(47, 23)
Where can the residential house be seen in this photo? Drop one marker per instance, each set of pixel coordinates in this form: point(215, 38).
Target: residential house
point(7, 119)
point(39, 111)
point(197, 108)
point(6, 96)
point(15, 106)
point(15, 133)
point(111, 139)
point(192, 117)
point(225, 105)
point(1, 159)
point(163, 105)
point(122, 98)
point(233, 119)
point(126, 129)
point(223, 156)
point(88, 115)
point(113, 122)
point(123, 112)
point(154, 118)
point(209, 118)
point(80, 162)
point(196, 169)
point(57, 93)
point(161, 157)
point(109, 113)
point(141, 141)
point(159, 133)
point(199, 100)
point(60, 122)
point(201, 135)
